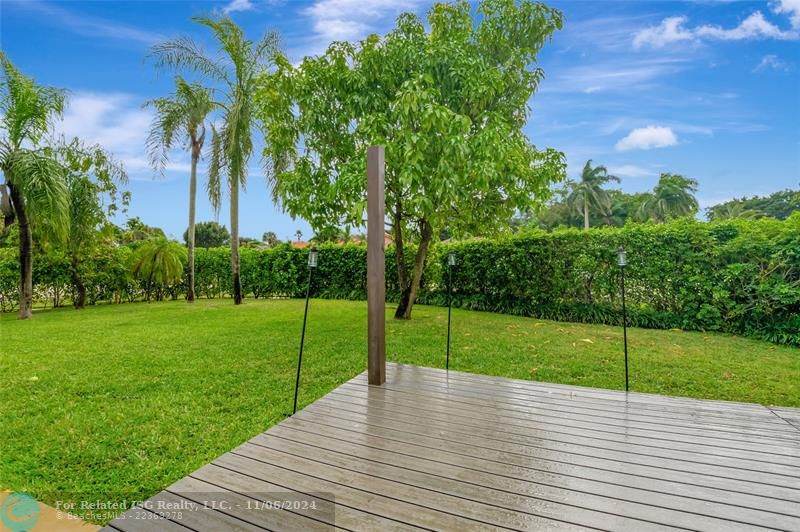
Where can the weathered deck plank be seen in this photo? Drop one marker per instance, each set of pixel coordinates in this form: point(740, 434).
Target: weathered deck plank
point(454, 451)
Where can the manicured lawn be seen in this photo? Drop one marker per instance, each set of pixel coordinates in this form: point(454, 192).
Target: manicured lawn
point(117, 402)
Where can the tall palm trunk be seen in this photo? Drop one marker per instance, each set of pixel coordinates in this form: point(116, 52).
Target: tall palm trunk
point(25, 252)
point(585, 211)
point(237, 282)
point(190, 232)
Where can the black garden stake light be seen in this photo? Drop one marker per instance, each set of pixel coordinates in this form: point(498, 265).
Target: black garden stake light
point(451, 261)
point(622, 262)
point(312, 265)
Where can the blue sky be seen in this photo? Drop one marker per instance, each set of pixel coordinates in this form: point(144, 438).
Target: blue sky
point(708, 89)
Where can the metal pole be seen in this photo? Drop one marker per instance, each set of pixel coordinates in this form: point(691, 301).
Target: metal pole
point(624, 323)
point(302, 341)
point(449, 309)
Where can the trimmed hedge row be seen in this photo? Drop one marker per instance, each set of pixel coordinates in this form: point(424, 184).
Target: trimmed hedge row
point(740, 276)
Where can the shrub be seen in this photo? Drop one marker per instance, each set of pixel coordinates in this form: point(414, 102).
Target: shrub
point(740, 276)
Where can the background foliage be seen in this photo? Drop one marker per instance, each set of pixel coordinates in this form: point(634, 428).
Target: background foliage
point(740, 276)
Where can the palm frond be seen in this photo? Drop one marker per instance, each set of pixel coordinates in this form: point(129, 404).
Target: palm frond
point(182, 53)
point(40, 178)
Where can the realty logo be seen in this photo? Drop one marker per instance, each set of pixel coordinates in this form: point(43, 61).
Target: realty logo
point(19, 512)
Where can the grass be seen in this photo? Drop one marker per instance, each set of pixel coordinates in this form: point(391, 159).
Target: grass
point(117, 402)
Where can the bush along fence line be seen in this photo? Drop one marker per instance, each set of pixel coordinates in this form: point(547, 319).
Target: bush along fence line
point(738, 276)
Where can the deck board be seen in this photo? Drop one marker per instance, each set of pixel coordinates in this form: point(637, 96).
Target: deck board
point(440, 450)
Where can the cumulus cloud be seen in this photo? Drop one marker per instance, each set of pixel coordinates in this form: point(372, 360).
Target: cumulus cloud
point(673, 29)
point(117, 122)
point(237, 5)
point(353, 19)
point(790, 8)
point(646, 138)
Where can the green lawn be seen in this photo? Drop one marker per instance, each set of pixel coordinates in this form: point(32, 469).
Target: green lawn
point(117, 402)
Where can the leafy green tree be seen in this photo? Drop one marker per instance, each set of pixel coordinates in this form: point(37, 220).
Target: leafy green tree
point(135, 230)
point(449, 105)
point(181, 117)
point(239, 67)
point(779, 205)
point(92, 179)
point(158, 262)
point(270, 238)
point(209, 235)
point(673, 197)
point(35, 180)
point(588, 194)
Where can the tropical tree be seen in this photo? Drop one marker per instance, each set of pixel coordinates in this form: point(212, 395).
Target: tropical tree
point(269, 238)
point(672, 197)
point(241, 64)
point(588, 193)
point(181, 117)
point(92, 178)
point(209, 235)
point(35, 180)
point(779, 205)
point(158, 263)
point(135, 230)
point(449, 105)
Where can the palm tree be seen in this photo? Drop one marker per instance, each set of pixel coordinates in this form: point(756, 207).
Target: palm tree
point(181, 117)
point(35, 180)
point(242, 63)
point(589, 194)
point(672, 197)
point(158, 263)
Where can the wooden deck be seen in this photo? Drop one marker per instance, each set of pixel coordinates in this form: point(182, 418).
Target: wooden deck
point(459, 451)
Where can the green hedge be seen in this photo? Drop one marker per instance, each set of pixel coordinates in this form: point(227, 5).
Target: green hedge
point(740, 276)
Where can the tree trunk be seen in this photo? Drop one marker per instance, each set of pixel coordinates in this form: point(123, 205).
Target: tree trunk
point(409, 295)
point(25, 252)
point(80, 289)
point(400, 260)
point(237, 282)
point(190, 231)
point(585, 213)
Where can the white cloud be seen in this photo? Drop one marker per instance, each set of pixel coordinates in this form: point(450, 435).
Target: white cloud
point(616, 75)
point(353, 19)
point(630, 170)
point(791, 8)
point(771, 62)
point(237, 5)
point(669, 31)
point(117, 122)
point(645, 138)
point(755, 26)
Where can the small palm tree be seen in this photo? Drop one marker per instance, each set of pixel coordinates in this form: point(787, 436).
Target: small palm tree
point(588, 192)
point(672, 197)
point(158, 263)
point(242, 63)
point(35, 180)
point(182, 117)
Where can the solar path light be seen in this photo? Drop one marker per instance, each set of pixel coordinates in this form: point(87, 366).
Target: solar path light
point(312, 265)
point(451, 262)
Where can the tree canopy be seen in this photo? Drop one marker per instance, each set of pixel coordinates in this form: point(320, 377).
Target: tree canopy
point(449, 105)
point(209, 235)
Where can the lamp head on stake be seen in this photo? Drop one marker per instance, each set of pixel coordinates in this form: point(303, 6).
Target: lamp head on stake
point(312, 257)
point(451, 258)
point(621, 259)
